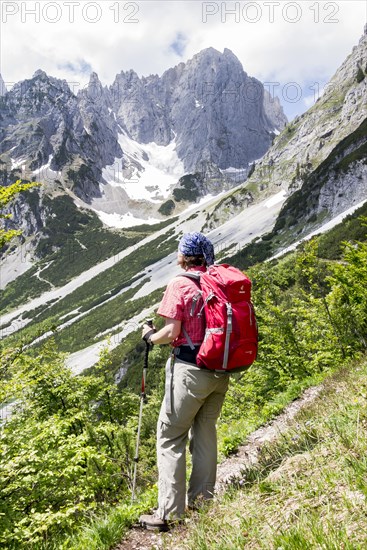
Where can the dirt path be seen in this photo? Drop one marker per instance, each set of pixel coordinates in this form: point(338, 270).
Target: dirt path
point(228, 472)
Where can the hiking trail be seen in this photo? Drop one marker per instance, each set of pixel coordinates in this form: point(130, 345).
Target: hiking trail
point(229, 471)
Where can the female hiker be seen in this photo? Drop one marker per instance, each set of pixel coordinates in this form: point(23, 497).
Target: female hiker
point(193, 397)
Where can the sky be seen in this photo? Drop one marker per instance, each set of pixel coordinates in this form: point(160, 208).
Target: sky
point(294, 48)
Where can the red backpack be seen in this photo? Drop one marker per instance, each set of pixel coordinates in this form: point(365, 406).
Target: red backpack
point(230, 342)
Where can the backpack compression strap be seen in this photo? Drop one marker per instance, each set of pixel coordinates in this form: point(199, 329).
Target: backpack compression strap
point(228, 335)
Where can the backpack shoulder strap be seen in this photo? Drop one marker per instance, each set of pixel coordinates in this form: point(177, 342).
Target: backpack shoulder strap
point(188, 339)
point(194, 276)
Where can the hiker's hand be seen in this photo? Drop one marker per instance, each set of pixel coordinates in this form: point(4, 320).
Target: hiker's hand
point(147, 332)
point(147, 329)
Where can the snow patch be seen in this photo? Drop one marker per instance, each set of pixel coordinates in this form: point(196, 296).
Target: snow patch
point(111, 112)
point(279, 197)
point(123, 220)
point(16, 163)
point(87, 357)
point(81, 244)
point(73, 312)
point(152, 169)
point(232, 170)
point(16, 324)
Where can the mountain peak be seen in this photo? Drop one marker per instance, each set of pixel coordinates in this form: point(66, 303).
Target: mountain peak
point(208, 51)
point(40, 74)
point(94, 78)
point(216, 58)
point(95, 87)
point(214, 53)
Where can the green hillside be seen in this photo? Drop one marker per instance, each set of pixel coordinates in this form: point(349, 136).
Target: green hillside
point(67, 249)
point(67, 450)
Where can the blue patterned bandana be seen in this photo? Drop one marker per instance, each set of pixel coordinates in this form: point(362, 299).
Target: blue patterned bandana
point(196, 244)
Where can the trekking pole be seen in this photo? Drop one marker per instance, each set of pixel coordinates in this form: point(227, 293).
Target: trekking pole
point(142, 399)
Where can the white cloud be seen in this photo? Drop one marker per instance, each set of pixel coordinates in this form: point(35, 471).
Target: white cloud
point(141, 35)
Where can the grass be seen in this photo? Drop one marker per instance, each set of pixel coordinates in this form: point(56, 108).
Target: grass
point(308, 489)
point(105, 530)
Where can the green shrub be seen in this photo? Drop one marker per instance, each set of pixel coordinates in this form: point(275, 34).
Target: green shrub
point(167, 208)
point(66, 449)
point(188, 189)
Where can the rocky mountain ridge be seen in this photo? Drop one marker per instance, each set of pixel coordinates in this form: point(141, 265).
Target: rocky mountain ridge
point(181, 104)
point(312, 139)
point(336, 185)
point(202, 118)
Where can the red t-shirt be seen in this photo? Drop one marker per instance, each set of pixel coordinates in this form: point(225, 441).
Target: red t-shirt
point(176, 304)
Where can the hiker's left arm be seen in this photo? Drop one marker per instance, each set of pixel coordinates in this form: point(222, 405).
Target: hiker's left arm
point(165, 335)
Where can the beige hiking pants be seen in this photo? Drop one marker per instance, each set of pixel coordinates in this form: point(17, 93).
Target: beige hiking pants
point(196, 399)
